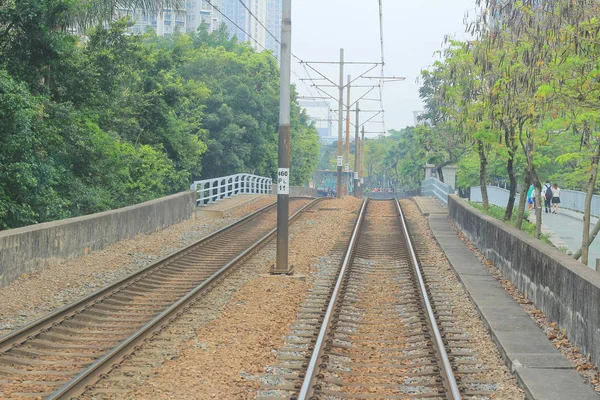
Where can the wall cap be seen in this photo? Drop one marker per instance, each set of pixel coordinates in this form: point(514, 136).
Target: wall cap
point(83, 218)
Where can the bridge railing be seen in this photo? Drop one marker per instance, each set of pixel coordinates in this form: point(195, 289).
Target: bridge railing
point(496, 195)
point(433, 187)
point(211, 190)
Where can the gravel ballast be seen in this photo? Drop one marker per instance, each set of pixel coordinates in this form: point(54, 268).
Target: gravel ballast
point(222, 346)
point(488, 363)
point(581, 362)
point(46, 290)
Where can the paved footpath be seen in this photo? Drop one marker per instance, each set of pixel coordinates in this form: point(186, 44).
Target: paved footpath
point(568, 226)
point(565, 228)
point(540, 368)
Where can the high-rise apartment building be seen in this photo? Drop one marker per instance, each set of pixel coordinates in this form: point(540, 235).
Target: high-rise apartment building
point(268, 12)
point(237, 16)
point(274, 15)
point(164, 24)
point(242, 20)
point(202, 12)
point(190, 15)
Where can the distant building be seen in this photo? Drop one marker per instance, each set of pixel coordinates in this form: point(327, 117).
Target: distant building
point(167, 22)
point(236, 15)
point(202, 12)
point(164, 24)
point(268, 12)
point(274, 15)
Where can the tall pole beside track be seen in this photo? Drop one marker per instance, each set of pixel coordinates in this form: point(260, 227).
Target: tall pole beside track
point(357, 156)
point(347, 153)
point(283, 170)
point(340, 126)
point(362, 163)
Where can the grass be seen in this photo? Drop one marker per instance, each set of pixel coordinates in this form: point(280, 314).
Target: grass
point(527, 227)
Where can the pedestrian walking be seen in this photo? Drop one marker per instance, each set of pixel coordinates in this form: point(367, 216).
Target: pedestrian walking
point(530, 201)
point(555, 198)
point(547, 196)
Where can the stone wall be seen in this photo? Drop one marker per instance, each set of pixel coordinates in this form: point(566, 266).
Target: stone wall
point(565, 290)
point(25, 250)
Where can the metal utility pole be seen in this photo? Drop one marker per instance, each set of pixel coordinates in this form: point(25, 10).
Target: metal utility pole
point(340, 128)
point(283, 170)
point(362, 162)
point(347, 154)
point(357, 155)
point(330, 83)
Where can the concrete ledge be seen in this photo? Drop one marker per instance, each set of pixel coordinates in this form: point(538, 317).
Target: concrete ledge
point(25, 250)
point(540, 368)
point(565, 290)
point(299, 191)
point(224, 208)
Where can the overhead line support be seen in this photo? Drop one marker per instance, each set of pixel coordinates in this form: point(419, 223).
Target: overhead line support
point(340, 128)
point(283, 163)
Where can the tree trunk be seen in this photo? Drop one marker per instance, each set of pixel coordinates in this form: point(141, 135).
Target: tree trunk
point(523, 201)
point(440, 174)
point(483, 174)
point(538, 207)
point(585, 243)
point(513, 187)
point(510, 169)
point(593, 235)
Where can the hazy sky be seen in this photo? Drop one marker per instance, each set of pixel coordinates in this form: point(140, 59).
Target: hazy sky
point(413, 31)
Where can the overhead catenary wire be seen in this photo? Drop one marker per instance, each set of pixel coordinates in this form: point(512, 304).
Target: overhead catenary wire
point(252, 38)
point(382, 61)
point(279, 42)
point(300, 60)
point(240, 28)
point(259, 21)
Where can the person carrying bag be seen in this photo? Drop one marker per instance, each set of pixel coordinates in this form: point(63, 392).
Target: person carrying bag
point(547, 195)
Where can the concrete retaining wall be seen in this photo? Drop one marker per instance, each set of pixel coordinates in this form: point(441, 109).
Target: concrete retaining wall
point(25, 250)
point(565, 290)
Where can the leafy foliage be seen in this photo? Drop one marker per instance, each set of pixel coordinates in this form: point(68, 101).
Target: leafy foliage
point(98, 122)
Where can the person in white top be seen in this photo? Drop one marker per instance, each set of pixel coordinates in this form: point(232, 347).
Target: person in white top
point(555, 198)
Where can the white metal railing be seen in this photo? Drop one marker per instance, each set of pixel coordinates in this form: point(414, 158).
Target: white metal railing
point(433, 187)
point(211, 190)
point(496, 195)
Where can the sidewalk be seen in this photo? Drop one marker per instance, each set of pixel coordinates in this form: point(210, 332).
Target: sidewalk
point(542, 371)
point(567, 226)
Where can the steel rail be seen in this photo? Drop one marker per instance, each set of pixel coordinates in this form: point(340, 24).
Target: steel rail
point(306, 389)
point(310, 377)
point(46, 322)
point(452, 390)
point(95, 371)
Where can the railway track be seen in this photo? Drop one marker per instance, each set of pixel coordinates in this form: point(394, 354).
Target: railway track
point(378, 331)
point(60, 354)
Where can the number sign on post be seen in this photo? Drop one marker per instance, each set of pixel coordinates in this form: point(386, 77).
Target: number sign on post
point(283, 181)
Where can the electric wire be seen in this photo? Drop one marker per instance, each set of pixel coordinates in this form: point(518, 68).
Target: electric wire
point(240, 28)
point(278, 41)
point(382, 62)
point(259, 21)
